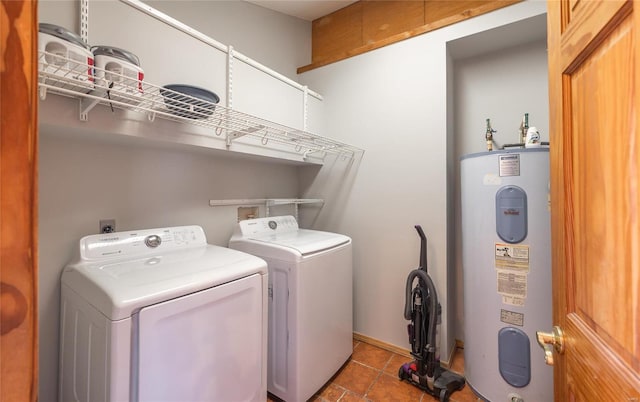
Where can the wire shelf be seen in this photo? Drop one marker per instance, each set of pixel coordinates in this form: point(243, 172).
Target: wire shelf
point(94, 86)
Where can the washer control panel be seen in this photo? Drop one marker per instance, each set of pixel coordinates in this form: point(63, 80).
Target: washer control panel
point(140, 242)
point(270, 225)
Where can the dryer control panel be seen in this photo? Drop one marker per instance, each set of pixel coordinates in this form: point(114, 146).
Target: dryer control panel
point(270, 225)
point(140, 242)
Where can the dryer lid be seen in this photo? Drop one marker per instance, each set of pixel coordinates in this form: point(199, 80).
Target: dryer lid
point(304, 241)
point(282, 233)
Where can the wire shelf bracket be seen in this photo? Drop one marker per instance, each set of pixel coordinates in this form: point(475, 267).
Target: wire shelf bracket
point(87, 104)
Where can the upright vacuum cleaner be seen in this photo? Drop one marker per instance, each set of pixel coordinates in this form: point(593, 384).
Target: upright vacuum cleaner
point(423, 310)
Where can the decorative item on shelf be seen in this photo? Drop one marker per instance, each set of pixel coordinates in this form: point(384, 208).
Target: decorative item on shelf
point(65, 58)
point(189, 101)
point(119, 70)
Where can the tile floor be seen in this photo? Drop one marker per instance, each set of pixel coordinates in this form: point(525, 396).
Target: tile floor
point(371, 375)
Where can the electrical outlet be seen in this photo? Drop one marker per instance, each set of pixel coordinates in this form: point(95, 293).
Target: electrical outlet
point(107, 225)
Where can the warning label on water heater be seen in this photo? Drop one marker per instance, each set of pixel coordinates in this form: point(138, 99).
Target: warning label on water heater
point(512, 284)
point(511, 317)
point(509, 256)
point(509, 165)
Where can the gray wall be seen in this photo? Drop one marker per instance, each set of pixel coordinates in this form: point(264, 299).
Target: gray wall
point(399, 104)
point(264, 35)
point(278, 41)
point(85, 177)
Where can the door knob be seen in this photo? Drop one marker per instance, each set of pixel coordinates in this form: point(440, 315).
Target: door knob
point(546, 340)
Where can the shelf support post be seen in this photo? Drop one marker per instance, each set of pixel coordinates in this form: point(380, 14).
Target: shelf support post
point(84, 20)
point(230, 77)
point(305, 100)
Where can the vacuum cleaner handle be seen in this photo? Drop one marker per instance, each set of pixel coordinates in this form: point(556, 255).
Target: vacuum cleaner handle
point(423, 248)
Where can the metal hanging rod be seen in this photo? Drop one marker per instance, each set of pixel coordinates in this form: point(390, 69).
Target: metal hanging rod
point(159, 15)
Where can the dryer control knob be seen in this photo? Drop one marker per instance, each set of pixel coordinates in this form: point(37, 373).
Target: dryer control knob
point(152, 241)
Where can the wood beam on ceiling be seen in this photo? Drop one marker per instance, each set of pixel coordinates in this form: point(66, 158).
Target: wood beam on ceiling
point(371, 24)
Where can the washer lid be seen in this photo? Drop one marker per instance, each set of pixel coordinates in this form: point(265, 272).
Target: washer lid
point(122, 284)
point(304, 241)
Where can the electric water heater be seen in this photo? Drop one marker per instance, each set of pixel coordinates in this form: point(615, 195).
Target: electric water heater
point(506, 257)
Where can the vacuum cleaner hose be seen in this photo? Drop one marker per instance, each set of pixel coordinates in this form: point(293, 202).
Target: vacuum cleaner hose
point(425, 281)
point(430, 286)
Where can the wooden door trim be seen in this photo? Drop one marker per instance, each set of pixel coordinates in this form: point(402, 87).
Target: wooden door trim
point(18, 201)
point(556, 166)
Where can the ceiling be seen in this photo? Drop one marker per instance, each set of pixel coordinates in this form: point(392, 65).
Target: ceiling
point(305, 9)
point(515, 34)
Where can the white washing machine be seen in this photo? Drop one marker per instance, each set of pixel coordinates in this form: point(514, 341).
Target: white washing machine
point(310, 302)
point(160, 315)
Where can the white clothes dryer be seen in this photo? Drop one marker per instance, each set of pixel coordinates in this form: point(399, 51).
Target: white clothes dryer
point(160, 315)
point(310, 302)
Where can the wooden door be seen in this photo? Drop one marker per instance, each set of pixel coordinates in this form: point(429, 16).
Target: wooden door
point(18, 205)
point(595, 186)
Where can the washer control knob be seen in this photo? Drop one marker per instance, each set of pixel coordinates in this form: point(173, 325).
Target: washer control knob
point(152, 241)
